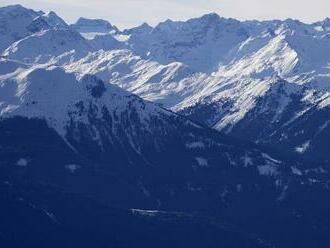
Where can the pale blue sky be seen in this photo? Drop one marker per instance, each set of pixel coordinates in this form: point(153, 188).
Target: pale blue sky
point(129, 13)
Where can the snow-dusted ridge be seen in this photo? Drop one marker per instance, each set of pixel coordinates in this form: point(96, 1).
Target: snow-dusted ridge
point(78, 104)
point(50, 93)
point(36, 47)
point(215, 70)
point(89, 114)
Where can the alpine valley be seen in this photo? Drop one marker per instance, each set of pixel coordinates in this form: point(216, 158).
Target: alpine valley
point(211, 132)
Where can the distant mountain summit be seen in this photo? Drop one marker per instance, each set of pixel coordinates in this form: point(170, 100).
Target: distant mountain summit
point(89, 28)
point(15, 21)
point(53, 20)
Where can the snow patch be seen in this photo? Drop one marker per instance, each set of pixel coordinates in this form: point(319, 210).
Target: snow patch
point(202, 162)
point(247, 160)
point(194, 145)
point(146, 212)
point(23, 162)
point(72, 167)
point(296, 171)
point(145, 191)
point(303, 148)
point(269, 158)
point(268, 170)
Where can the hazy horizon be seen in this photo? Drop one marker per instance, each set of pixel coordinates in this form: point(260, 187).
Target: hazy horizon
point(155, 11)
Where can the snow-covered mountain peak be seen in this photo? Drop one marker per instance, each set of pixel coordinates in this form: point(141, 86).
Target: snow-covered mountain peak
point(36, 48)
point(276, 57)
point(210, 17)
point(200, 24)
point(200, 43)
point(93, 23)
point(53, 20)
point(142, 29)
point(323, 25)
point(18, 10)
point(326, 22)
point(89, 28)
point(37, 93)
point(50, 93)
point(47, 21)
point(15, 21)
point(213, 20)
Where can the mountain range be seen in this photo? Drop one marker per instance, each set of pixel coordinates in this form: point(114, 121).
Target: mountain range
point(210, 132)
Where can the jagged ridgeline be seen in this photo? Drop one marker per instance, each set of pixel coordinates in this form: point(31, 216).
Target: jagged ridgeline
point(205, 133)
